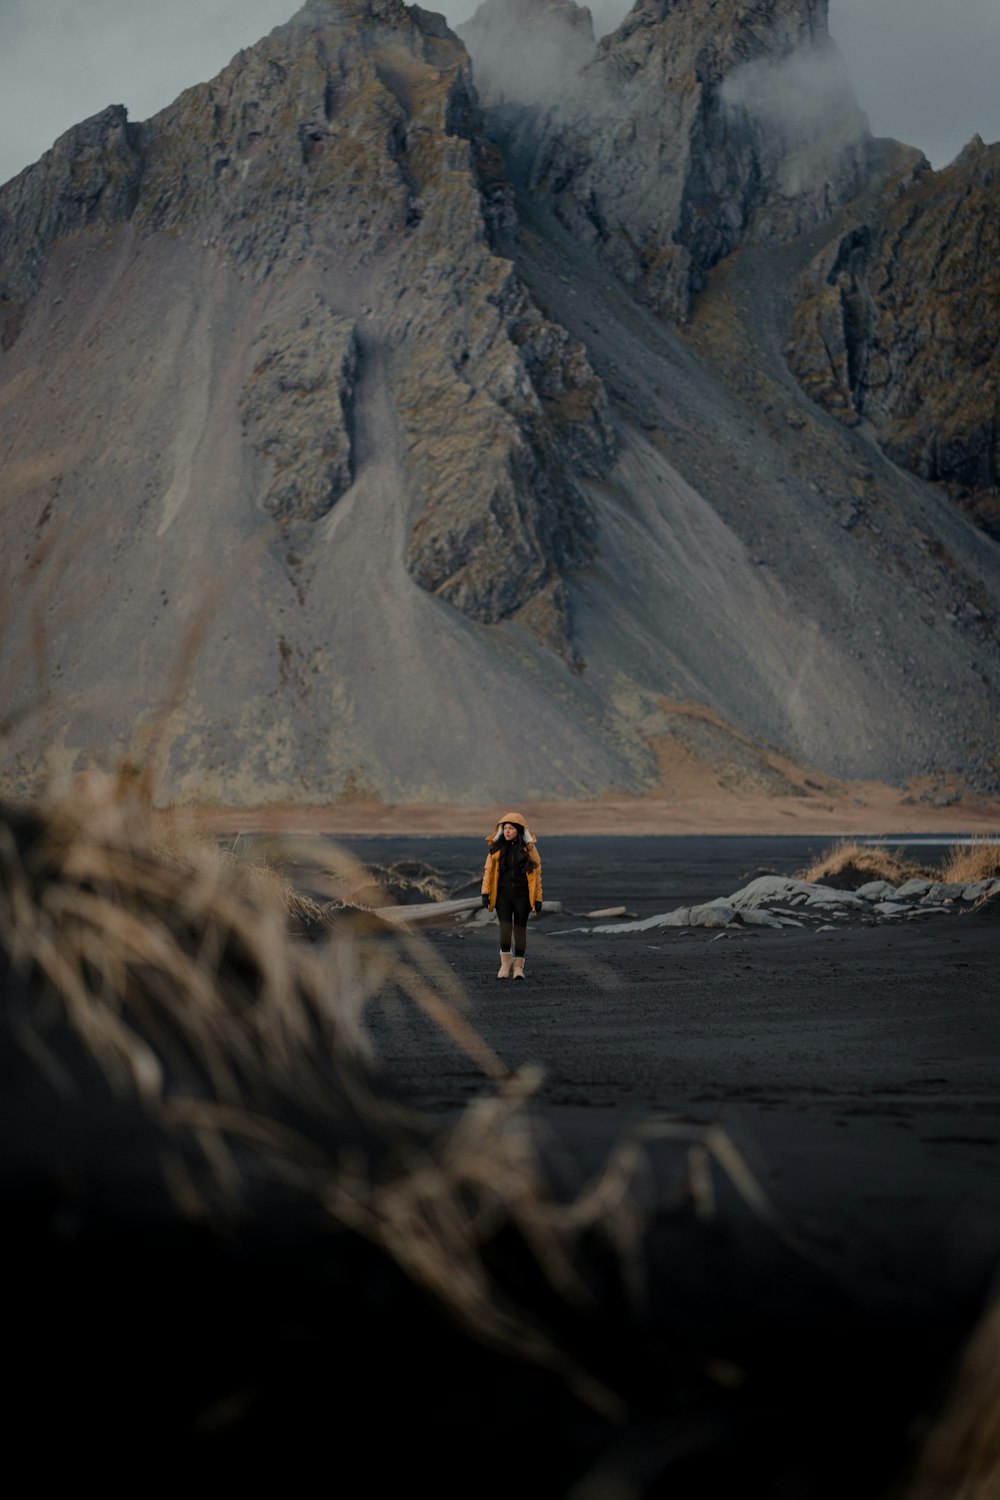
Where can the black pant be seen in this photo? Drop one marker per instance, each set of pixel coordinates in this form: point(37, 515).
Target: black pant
point(512, 913)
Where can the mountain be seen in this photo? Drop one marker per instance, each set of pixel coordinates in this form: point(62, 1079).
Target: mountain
point(695, 129)
point(419, 445)
point(895, 325)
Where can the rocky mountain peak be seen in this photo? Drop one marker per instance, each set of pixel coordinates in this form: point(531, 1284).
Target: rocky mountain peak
point(366, 15)
point(698, 127)
point(90, 176)
point(895, 326)
point(725, 31)
point(372, 20)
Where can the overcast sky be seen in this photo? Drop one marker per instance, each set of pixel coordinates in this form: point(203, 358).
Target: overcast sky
point(926, 71)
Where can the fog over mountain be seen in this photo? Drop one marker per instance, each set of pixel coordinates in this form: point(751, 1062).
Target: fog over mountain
point(450, 439)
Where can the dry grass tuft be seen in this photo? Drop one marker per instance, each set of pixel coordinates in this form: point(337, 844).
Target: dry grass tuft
point(960, 1459)
point(160, 985)
point(305, 914)
point(405, 880)
point(849, 865)
point(969, 863)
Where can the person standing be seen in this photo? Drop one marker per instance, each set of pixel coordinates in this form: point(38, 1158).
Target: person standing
point(512, 886)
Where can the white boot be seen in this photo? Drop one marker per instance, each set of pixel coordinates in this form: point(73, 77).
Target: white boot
point(519, 968)
point(505, 963)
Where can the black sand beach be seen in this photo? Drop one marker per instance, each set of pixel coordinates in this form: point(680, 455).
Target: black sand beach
point(854, 1072)
point(768, 1298)
point(855, 1069)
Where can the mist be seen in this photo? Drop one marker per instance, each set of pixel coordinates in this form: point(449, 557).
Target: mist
point(528, 63)
point(804, 101)
point(923, 71)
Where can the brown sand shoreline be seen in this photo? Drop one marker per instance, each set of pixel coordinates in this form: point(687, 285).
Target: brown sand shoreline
point(870, 810)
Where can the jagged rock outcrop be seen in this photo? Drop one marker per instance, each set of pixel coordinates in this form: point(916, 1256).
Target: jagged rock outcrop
point(352, 132)
point(298, 408)
point(92, 175)
point(771, 900)
point(896, 324)
point(502, 516)
point(693, 131)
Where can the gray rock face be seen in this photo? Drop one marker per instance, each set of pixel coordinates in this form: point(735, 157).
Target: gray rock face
point(830, 900)
point(691, 133)
point(92, 175)
point(297, 408)
point(945, 891)
point(766, 890)
point(914, 889)
point(496, 466)
point(876, 890)
point(306, 135)
point(897, 325)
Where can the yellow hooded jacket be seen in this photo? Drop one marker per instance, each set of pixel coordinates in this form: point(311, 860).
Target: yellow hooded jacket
point(491, 870)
